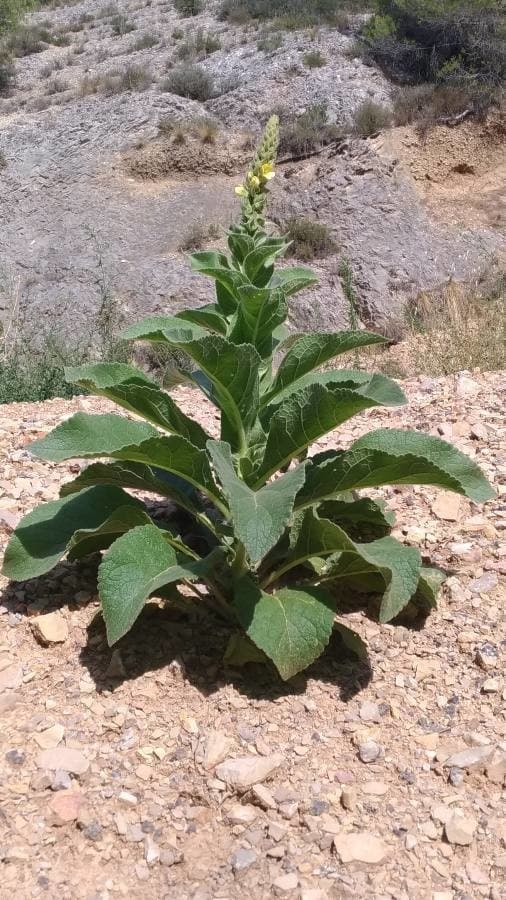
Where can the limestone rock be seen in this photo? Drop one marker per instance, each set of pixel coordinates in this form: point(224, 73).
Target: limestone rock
point(66, 758)
point(245, 771)
point(360, 847)
point(460, 828)
point(50, 628)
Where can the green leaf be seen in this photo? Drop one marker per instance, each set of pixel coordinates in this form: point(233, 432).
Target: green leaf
point(293, 279)
point(363, 511)
point(132, 475)
point(153, 329)
point(85, 435)
point(291, 626)
point(351, 640)
point(305, 417)
point(392, 456)
point(429, 586)
point(234, 374)
point(44, 536)
point(258, 517)
point(241, 651)
point(260, 312)
point(400, 567)
point(215, 265)
point(91, 540)
point(379, 388)
point(130, 389)
point(208, 317)
point(138, 564)
point(310, 351)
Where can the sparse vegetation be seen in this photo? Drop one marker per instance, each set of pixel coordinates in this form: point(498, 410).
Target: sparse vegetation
point(199, 45)
point(121, 25)
point(288, 13)
point(57, 86)
point(314, 59)
point(132, 78)
point(146, 41)
point(370, 118)
point(198, 236)
point(3, 161)
point(202, 127)
point(189, 8)
point(427, 104)
point(308, 132)
point(28, 39)
point(189, 80)
point(269, 42)
point(309, 239)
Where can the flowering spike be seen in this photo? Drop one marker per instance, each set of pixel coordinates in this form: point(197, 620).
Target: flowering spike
point(254, 190)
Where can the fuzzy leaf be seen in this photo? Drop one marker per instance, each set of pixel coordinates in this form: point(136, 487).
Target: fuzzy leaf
point(363, 511)
point(379, 388)
point(351, 640)
point(291, 626)
point(429, 586)
point(85, 435)
point(392, 456)
point(138, 564)
point(293, 279)
point(258, 517)
point(91, 540)
point(128, 388)
point(241, 651)
point(303, 418)
point(310, 351)
point(153, 329)
point(46, 534)
point(260, 312)
point(208, 317)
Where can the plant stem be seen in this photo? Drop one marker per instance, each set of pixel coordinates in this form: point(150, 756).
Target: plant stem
point(239, 565)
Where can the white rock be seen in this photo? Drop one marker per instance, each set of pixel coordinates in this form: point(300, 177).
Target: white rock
point(66, 758)
point(242, 815)
point(370, 712)
point(245, 771)
point(447, 507)
point(460, 828)
point(473, 758)
point(369, 751)
point(262, 795)
point(286, 883)
point(50, 628)
point(360, 847)
point(151, 851)
point(50, 737)
point(217, 747)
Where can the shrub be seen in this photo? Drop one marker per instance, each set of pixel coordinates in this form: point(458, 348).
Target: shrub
point(146, 41)
point(28, 39)
point(3, 161)
point(6, 72)
point(57, 86)
point(310, 240)
point(11, 11)
point(283, 538)
point(189, 8)
point(202, 127)
point(189, 81)
point(425, 104)
point(308, 132)
point(202, 43)
point(287, 13)
point(120, 25)
point(135, 78)
point(370, 118)
point(198, 235)
point(269, 43)
point(314, 59)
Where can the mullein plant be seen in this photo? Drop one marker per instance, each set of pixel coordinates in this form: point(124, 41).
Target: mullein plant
point(272, 539)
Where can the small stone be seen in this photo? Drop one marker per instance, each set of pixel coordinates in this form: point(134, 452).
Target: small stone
point(456, 777)
point(286, 883)
point(242, 859)
point(472, 758)
point(485, 583)
point(242, 815)
point(460, 829)
point(475, 874)
point(151, 851)
point(64, 807)
point(243, 772)
point(50, 737)
point(370, 712)
point(15, 757)
point(360, 847)
point(66, 758)
point(490, 686)
point(170, 857)
point(441, 813)
point(127, 798)
point(93, 831)
point(447, 507)
point(217, 748)
point(486, 656)
point(410, 842)
point(313, 894)
point(466, 387)
point(369, 751)
point(496, 768)
point(50, 628)
point(262, 796)
point(135, 834)
point(375, 788)
point(348, 798)
point(11, 677)
point(61, 781)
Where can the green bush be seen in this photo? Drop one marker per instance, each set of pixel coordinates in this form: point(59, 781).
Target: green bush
point(120, 25)
point(189, 81)
point(288, 13)
point(314, 59)
point(201, 44)
point(282, 538)
point(11, 13)
point(6, 71)
point(309, 239)
point(189, 8)
point(426, 104)
point(426, 40)
point(370, 118)
point(308, 132)
point(146, 41)
point(28, 39)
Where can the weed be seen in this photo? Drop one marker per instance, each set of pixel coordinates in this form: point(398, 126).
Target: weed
point(201, 44)
point(198, 236)
point(145, 41)
point(309, 239)
point(270, 42)
point(308, 132)
point(314, 59)
point(121, 25)
point(57, 86)
point(371, 117)
point(187, 8)
point(190, 81)
point(28, 39)
point(3, 161)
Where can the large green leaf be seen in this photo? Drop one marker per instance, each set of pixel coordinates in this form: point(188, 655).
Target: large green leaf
point(361, 513)
point(260, 312)
point(208, 317)
point(90, 540)
point(215, 265)
point(129, 388)
point(46, 534)
point(133, 475)
point(293, 279)
point(377, 387)
point(85, 435)
point(305, 417)
point(138, 564)
point(153, 328)
point(310, 351)
point(392, 456)
point(234, 374)
point(291, 626)
point(258, 517)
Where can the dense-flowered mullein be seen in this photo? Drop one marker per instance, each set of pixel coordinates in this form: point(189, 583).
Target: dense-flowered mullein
point(254, 190)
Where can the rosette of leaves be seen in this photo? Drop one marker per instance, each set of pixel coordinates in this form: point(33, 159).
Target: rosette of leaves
point(271, 538)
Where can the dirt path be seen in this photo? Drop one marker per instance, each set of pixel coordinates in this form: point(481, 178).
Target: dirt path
point(389, 779)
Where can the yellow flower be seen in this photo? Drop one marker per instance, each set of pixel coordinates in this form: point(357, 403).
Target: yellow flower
point(267, 171)
point(241, 191)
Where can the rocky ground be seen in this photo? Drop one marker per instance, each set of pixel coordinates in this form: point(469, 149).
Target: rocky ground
point(75, 221)
point(155, 771)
